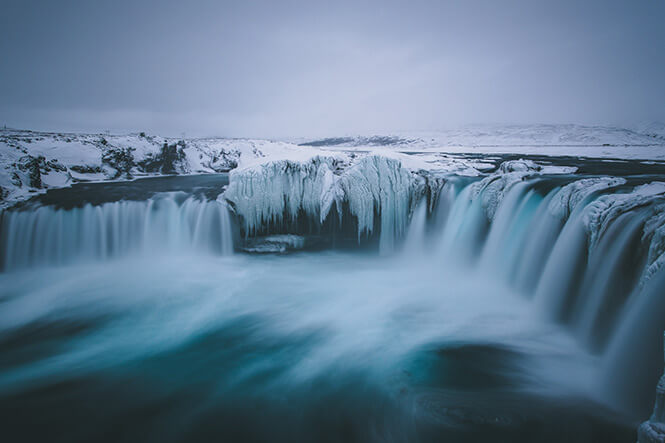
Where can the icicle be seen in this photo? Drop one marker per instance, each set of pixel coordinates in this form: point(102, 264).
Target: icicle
point(263, 194)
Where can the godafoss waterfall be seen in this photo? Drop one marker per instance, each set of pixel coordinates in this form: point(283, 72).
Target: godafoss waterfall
point(318, 301)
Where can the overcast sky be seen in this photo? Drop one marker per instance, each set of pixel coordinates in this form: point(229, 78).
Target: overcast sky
point(307, 68)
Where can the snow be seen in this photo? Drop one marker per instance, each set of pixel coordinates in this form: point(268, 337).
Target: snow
point(641, 142)
point(68, 158)
point(92, 157)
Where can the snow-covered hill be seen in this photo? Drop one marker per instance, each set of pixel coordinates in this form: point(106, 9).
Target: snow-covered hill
point(643, 142)
point(31, 162)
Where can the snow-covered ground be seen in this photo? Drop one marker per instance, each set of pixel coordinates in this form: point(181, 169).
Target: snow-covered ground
point(646, 141)
point(31, 162)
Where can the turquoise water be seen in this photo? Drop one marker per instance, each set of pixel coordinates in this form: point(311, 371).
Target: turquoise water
point(313, 347)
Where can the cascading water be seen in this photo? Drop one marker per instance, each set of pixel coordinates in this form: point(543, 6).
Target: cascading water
point(574, 274)
point(576, 246)
point(583, 252)
point(167, 223)
point(414, 241)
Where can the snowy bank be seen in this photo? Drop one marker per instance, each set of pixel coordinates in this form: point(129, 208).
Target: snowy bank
point(32, 162)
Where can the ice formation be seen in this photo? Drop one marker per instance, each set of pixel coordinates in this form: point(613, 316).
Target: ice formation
point(266, 193)
point(273, 192)
point(603, 211)
point(571, 195)
point(654, 236)
point(379, 185)
point(492, 189)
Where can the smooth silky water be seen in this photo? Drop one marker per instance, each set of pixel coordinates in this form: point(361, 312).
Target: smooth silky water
point(132, 319)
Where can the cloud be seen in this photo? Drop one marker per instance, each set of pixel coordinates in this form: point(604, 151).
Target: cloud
point(263, 68)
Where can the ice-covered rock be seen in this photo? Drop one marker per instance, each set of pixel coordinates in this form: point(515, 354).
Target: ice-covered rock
point(493, 188)
point(379, 185)
point(520, 165)
point(647, 202)
point(654, 236)
point(274, 192)
point(604, 210)
point(267, 193)
point(571, 195)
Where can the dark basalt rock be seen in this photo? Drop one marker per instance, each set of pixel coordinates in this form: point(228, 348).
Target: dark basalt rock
point(166, 161)
point(16, 180)
point(122, 160)
point(86, 169)
point(33, 166)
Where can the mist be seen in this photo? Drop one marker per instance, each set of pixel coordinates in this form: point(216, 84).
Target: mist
point(289, 69)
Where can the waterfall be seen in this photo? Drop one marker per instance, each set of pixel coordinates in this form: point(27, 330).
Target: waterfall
point(563, 268)
point(167, 223)
point(464, 227)
point(633, 361)
point(588, 252)
point(543, 232)
point(609, 279)
point(414, 241)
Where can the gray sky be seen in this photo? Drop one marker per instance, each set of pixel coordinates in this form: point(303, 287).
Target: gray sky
point(307, 68)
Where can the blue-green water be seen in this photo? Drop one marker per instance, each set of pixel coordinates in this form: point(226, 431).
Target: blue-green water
point(309, 347)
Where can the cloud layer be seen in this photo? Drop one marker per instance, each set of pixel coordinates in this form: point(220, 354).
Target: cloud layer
point(293, 68)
